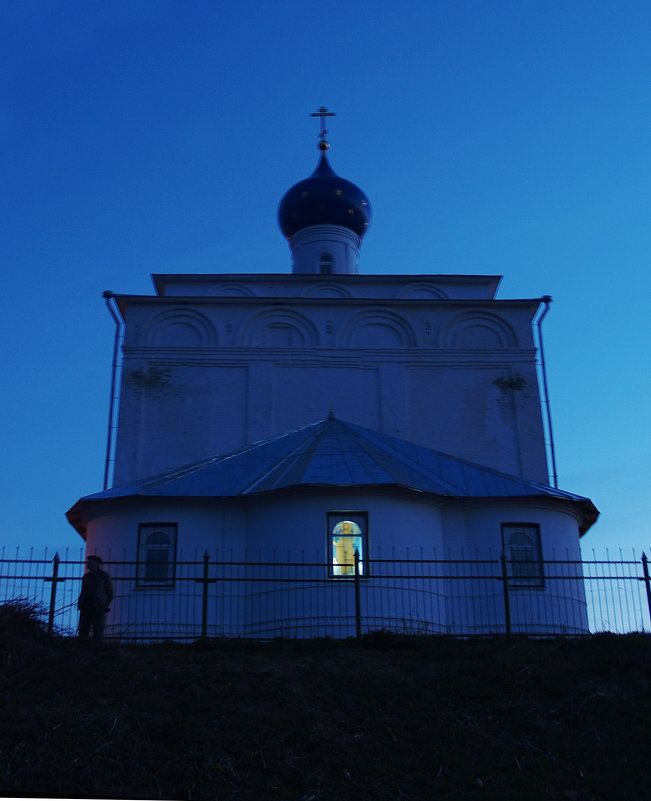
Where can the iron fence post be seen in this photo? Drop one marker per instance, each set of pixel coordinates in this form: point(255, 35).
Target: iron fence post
point(505, 587)
point(358, 608)
point(53, 592)
point(205, 581)
point(204, 598)
point(647, 583)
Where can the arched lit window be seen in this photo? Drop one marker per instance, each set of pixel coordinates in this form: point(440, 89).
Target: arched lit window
point(156, 555)
point(524, 559)
point(325, 263)
point(347, 543)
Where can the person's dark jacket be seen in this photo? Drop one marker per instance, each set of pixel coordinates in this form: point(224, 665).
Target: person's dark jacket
point(96, 591)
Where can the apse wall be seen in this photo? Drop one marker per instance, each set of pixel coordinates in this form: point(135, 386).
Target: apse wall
point(433, 565)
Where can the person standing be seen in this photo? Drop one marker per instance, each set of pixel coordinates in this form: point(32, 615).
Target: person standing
point(94, 600)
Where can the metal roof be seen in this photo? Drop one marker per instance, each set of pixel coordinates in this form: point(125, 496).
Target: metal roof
point(334, 453)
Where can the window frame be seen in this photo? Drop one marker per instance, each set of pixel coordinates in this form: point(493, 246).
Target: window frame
point(326, 263)
point(146, 530)
point(533, 577)
point(359, 518)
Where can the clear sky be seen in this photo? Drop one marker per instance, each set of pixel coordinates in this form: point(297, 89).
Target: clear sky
point(491, 137)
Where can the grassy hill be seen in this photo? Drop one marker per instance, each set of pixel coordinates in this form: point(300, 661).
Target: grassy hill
point(386, 718)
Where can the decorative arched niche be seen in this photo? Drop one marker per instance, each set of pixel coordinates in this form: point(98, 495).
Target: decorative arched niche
point(478, 331)
point(179, 328)
point(278, 328)
point(422, 290)
point(376, 328)
point(231, 290)
point(326, 289)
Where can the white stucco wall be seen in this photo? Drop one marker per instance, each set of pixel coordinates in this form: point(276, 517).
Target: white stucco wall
point(473, 530)
point(208, 375)
point(284, 285)
point(310, 244)
point(417, 595)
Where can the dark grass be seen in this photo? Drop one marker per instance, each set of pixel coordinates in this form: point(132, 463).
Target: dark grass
point(389, 717)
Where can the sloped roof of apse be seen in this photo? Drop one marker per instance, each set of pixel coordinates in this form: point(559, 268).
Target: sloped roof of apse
point(334, 453)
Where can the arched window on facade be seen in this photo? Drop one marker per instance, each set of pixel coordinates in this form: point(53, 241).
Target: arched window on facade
point(347, 543)
point(523, 554)
point(156, 555)
point(325, 263)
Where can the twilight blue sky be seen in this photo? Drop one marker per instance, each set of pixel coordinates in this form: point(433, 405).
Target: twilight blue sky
point(492, 137)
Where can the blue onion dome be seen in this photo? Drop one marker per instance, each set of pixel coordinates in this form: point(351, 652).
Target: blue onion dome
point(324, 199)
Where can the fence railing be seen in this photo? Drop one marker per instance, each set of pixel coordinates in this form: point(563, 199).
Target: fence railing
point(210, 597)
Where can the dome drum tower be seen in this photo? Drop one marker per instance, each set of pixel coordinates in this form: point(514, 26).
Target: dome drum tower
point(325, 249)
point(324, 218)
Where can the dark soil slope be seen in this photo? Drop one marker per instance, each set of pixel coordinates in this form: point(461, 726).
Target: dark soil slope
point(385, 718)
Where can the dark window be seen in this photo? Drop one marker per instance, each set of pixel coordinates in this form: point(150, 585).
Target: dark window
point(347, 543)
point(325, 263)
point(156, 555)
point(521, 542)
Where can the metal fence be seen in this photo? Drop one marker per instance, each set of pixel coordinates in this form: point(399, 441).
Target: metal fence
point(215, 597)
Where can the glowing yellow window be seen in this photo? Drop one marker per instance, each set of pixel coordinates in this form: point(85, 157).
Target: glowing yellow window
point(347, 542)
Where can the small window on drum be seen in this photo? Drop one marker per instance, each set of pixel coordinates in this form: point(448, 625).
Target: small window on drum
point(156, 555)
point(347, 544)
point(521, 543)
point(325, 263)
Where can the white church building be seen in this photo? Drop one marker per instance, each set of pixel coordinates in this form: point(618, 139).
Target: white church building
point(384, 433)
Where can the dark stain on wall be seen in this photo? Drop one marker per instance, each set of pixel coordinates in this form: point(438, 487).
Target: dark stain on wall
point(154, 379)
point(514, 383)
